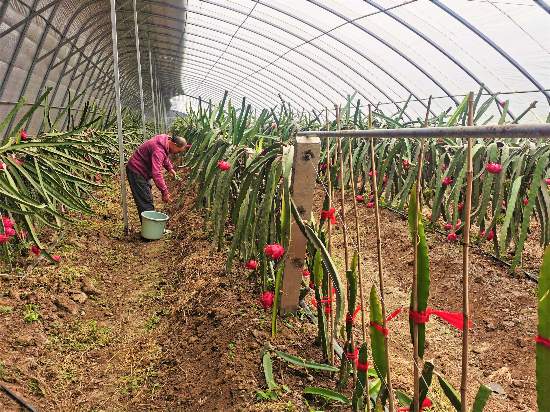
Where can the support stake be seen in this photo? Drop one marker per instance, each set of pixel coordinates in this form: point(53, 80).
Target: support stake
point(304, 173)
point(123, 197)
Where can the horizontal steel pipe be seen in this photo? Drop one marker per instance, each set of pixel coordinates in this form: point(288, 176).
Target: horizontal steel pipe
point(506, 131)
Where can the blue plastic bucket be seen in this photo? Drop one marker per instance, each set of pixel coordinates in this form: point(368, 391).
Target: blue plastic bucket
point(153, 224)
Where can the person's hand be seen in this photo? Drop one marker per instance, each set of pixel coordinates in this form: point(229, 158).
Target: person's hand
point(175, 175)
point(166, 198)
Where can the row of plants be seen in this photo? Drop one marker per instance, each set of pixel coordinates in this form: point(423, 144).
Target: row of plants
point(240, 166)
point(45, 178)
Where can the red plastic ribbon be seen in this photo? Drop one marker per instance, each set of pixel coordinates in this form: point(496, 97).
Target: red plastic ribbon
point(353, 356)
point(455, 319)
point(351, 318)
point(384, 331)
point(543, 341)
point(362, 366)
point(330, 215)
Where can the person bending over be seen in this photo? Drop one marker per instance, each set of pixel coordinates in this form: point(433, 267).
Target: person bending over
point(147, 163)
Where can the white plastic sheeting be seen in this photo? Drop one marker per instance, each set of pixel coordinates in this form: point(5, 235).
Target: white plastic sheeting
point(314, 53)
point(311, 53)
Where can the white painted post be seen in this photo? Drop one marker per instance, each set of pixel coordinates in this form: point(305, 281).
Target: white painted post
point(307, 152)
point(123, 197)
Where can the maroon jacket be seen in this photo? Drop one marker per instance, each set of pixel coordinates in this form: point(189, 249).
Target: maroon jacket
point(150, 158)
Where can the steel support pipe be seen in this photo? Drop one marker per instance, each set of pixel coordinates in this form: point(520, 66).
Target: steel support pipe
point(532, 131)
point(119, 120)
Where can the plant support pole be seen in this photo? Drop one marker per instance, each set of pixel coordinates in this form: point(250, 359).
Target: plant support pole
point(380, 265)
point(140, 78)
point(329, 179)
point(119, 119)
point(466, 262)
point(416, 371)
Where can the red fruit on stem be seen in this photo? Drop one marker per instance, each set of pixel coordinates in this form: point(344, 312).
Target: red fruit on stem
point(24, 135)
point(385, 179)
point(448, 226)
point(266, 299)
point(360, 198)
point(482, 233)
point(10, 231)
point(493, 168)
point(311, 285)
point(370, 205)
point(323, 166)
point(223, 165)
point(6, 221)
point(547, 180)
point(2, 166)
point(251, 264)
point(452, 237)
point(35, 250)
point(4, 238)
point(370, 173)
point(306, 273)
point(274, 251)
point(406, 164)
point(448, 180)
point(57, 258)
point(460, 206)
point(458, 223)
point(490, 235)
point(526, 201)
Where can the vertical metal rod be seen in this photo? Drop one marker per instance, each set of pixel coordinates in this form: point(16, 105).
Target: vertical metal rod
point(152, 86)
point(416, 372)
point(380, 265)
point(119, 119)
point(466, 262)
point(140, 79)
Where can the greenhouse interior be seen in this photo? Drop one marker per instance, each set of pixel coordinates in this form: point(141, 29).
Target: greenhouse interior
point(275, 205)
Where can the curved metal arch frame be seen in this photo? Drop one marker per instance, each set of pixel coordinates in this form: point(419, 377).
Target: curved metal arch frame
point(303, 39)
point(170, 73)
point(272, 80)
point(231, 76)
point(168, 27)
point(290, 80)
point(430, 41)
point(15, 52)
point(251, 90)
point(317, 62)
point(494, 46)
point(297, 86)
point(129, 55)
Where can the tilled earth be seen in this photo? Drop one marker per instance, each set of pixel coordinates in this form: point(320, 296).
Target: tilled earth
point(127, 325)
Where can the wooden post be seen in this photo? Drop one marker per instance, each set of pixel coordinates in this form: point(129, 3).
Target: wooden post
point(307, 151)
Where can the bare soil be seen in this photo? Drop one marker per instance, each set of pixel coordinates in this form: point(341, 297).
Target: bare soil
point(128, 325)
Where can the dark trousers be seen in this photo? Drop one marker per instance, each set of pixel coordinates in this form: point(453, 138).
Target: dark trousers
point(141, 191)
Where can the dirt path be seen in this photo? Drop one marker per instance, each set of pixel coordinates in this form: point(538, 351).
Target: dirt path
point(126, 325)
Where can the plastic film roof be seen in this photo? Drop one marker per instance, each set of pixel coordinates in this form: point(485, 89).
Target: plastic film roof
point(67, 45)
point(312, 54)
